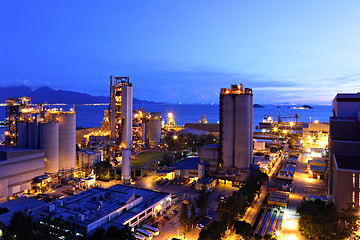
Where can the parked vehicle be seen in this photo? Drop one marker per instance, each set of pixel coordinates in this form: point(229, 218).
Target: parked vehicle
point(144, 233)
point(151, 229)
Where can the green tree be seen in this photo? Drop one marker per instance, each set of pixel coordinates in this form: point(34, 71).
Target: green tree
point(184, 217)
point(269, 236)
point(347, 221)
point(99, 234)
point(103, 170)
point(124, 233)
point(232, 209)
point(215, 231)
point(202, 201)
point(318, 219)
point(22, 226)
point(257, 236)
point(243, 228)
point(192, 215)
point(113, 233)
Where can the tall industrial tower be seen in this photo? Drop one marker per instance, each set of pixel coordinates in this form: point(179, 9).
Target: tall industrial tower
point(236, 131)
point(120, 114)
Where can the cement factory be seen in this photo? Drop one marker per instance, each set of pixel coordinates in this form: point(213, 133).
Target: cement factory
point(48, 132)
point(52, 132)
point(44, 154)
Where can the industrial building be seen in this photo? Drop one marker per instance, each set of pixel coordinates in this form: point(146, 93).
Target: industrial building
point(209, 155)
point(344, 150)
point(18, 167)
point(88, 157)
point(98, 207)
point(121, 120)
point(52, 130)
point(231, 159)
point(236, 121)
point(151, 129)
point(120, 109)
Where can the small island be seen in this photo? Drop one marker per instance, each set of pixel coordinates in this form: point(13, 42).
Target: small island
point(258, 106)
point(306, 107)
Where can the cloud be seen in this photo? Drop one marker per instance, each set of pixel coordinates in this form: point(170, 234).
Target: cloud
point(33, 84)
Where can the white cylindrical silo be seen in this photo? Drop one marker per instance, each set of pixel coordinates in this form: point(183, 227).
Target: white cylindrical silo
point(126, 115)
point(126, 165)
point(22, 129)
point(154, 132)
point(243, 133)
point(67, 140)
point(49, 142)
point(227, 129)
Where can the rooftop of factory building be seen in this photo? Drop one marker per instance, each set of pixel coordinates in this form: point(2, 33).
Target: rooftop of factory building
point(188, 163)
point(206, 180)
point(19, 204)
point(211, 146)
point(8, 148)
point(347, 162)
point(347, 95)
point(98, 202)
point(319, 169)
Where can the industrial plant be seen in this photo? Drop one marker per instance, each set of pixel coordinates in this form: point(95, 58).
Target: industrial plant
point(49, 132)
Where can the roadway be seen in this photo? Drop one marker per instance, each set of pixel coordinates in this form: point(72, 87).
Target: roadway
point(300, 189)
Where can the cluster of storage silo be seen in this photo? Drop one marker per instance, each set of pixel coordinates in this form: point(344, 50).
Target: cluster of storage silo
point(236, 117)
point(151, 130)
point(55, 134)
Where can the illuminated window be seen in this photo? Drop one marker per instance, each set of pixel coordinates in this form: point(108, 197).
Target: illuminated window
point(359, 199)
point(353, 179)
point(353, 197)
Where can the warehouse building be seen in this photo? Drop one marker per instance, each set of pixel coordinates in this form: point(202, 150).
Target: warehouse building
point(18, 167)
point(98, 207)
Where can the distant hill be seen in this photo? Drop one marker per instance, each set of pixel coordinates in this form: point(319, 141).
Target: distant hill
point(257, 106)
point(49, 95)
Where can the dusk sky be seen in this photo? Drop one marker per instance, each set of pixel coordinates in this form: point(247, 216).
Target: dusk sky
point(184, 51)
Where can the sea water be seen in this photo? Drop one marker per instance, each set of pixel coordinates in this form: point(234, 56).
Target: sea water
point(92, 115)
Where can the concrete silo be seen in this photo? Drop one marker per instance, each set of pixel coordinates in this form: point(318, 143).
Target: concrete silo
point(243, 131)
point(22, 130)
point(227, 129)
point(49, 142)
point(154, 130)
point(236, 118)
point(33, 135)
point(67, 139)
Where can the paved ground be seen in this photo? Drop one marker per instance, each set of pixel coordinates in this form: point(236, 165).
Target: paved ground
point(302, 187)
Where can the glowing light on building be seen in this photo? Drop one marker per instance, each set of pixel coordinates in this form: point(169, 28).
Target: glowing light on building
point(291, 224)
point(158, 208)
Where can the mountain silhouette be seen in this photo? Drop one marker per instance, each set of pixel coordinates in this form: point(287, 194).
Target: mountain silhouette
point(49, 95)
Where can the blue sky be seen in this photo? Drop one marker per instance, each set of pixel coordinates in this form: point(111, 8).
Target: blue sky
point(184, 51)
